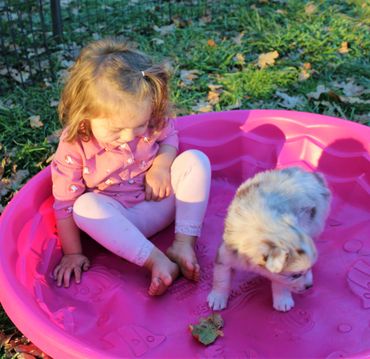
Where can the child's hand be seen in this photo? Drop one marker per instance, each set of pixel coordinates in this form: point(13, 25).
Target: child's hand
point(157, 184)
point(70, 264)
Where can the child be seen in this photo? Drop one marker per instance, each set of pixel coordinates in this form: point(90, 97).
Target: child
point(115, 173)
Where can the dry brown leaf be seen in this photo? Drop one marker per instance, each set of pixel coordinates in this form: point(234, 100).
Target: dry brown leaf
point(213, 97)
point(303, 75)
point(239, 59)
point(344, 49)
point(305, 72)
point(211, 43)
point(35, 121)
point(202, 106)
point(281, 11)
point(28, 350)
point(310, 8)
point(188, 76)
point(214, 94)
point(267, 59)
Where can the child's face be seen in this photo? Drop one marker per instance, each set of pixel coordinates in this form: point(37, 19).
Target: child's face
point(124, 128)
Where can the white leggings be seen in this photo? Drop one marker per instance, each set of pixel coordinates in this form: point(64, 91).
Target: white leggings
point(124, 231)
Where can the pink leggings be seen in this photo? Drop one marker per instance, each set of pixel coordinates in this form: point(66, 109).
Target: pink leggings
point(124, 231)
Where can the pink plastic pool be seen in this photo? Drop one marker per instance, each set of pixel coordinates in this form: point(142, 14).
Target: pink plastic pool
point(109, 315)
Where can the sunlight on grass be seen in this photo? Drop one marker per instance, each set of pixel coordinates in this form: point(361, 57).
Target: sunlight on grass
point(254, 84)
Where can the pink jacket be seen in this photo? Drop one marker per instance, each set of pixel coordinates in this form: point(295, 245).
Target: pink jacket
point(118, 172)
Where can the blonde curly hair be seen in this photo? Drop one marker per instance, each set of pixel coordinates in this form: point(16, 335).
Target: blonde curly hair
point(106, 74)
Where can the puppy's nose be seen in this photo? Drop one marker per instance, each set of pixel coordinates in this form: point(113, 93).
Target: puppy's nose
point(308, 286)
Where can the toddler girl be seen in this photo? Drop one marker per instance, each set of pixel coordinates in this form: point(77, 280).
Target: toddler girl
point(115, 173)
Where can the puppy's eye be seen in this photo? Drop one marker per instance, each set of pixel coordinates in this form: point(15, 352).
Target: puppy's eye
point(296, 276)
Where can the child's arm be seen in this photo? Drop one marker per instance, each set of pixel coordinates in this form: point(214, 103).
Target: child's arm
point(158, 179)
point(73, 261)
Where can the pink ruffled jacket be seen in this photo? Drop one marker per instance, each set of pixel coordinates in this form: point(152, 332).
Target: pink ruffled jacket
point(118, 172)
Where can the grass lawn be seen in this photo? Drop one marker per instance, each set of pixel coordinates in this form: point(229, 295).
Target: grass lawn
point(282, 54)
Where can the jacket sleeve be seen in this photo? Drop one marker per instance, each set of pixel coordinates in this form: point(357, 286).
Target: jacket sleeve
point(66, 172)
point(168, 135)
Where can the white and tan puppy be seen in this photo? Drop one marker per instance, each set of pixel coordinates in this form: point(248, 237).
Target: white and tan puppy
point(269, 230)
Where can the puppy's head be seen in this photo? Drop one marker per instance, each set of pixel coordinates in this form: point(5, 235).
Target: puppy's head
point(288, 258)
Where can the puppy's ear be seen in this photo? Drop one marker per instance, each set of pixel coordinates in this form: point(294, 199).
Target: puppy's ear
point(276, 260)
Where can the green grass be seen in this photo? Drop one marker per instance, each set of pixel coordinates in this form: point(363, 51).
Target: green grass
point(297, 36)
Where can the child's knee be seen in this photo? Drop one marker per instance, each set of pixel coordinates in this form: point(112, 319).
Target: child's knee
point(90, 205)
point(197, 157)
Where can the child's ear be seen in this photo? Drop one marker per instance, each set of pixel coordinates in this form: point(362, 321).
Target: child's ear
point(276, 259)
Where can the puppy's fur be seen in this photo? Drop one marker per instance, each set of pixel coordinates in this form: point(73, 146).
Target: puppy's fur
point(269, 230)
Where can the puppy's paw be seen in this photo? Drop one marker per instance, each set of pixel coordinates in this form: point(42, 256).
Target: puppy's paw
point(217, 300)
point(283, 302)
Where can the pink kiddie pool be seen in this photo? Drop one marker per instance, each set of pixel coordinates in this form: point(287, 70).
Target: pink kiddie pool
point(110, 315)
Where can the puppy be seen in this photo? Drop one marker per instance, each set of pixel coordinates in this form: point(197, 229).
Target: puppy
point(269, 230)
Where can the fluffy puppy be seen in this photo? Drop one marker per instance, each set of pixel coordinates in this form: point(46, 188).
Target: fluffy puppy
point(269, 230)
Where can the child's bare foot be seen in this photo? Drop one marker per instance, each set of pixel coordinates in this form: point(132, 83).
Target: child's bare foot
point(163, 271)
point(182, 252)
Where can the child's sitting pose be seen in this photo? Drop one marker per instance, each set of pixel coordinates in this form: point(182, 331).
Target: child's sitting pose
point(115, 173)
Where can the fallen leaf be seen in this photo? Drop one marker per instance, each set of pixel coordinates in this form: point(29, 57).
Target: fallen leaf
point(305, 72)
point(205, 19)
point(54, 103)
point(4, 339)
point(320, 89)
point(19, 76)
point(17, 178)
point(66, 64)
point(303, 75)
point(35, 121)
point(267, 59)
point(350, 88)
point(239, 59)
point(344, 49)
point(188, 76)
point(353, 100)
point(211, 43)
point(54, 137)
point(165, 30)
point(281, 11)
point(290, 101)
point(208, 329)
point(157, 41)
point(202, 106)
point(238, 38)
point(29, 349)
point(214, 95)
point(310, 8)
